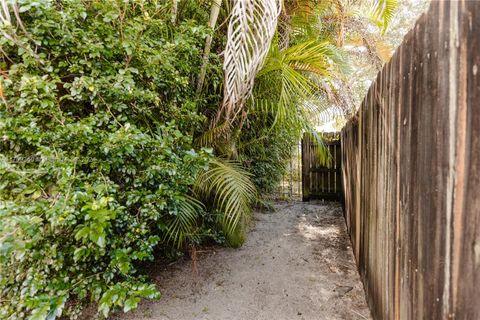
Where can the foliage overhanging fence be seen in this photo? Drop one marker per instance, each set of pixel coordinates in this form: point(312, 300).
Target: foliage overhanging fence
point(412, 172)
point(321, 180)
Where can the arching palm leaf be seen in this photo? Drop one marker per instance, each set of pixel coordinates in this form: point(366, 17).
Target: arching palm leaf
point(251, 29)
point(291, 71)
point(382, 11)
point(231, 189)
point(181, 225)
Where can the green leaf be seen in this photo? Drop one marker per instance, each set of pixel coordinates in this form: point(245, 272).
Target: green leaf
point(82, 233)
point(40, 313)
point(101, 241)
point(130, 304)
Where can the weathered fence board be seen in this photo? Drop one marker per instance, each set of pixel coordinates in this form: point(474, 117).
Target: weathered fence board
point(319, 180)
point(411, 167)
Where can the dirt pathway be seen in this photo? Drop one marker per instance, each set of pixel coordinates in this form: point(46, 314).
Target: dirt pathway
point(296, 264)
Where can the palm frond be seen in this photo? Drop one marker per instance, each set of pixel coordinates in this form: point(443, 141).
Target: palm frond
point(252, 26)
point(231, 189)
point(295, 73)
point(382, 12)
point(314, 56)
point(209, 137)
point(182, 224)
point(322, 152)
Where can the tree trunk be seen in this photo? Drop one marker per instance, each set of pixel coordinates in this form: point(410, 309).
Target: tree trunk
point(174, 11)
point(216, 4)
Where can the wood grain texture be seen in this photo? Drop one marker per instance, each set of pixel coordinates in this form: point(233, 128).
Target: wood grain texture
point(411, 170)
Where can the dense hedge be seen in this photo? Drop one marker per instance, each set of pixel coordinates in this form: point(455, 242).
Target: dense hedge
point(97, 115)
point(264, 152)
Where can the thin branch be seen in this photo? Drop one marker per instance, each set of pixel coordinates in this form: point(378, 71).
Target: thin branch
point(208, 44)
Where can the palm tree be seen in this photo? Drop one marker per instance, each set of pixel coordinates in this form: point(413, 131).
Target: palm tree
point(279, 70)
point(300, 20)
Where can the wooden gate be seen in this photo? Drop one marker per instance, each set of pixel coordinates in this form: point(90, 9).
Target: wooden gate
point(320, 181)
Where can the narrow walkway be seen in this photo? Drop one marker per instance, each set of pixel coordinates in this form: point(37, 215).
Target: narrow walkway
point(296, 264)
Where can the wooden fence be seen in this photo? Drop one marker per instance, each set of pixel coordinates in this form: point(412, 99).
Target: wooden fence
point(321, 180)
point(412, 172)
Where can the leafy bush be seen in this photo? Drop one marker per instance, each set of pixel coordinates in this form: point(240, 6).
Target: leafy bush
point(265, 151)
point(97, 114)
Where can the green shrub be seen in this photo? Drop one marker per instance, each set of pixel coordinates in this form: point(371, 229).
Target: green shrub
point(265, 152)
point(97, 113)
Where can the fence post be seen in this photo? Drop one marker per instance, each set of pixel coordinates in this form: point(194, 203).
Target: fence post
point(305, 167)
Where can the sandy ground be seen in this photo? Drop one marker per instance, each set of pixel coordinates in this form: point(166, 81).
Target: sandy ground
point(296, 264)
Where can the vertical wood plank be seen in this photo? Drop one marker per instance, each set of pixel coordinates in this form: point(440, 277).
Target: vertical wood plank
point(305, 168)
point(411, 172)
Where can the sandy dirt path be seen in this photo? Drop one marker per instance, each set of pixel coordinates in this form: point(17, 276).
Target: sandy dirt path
point(296, 264)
